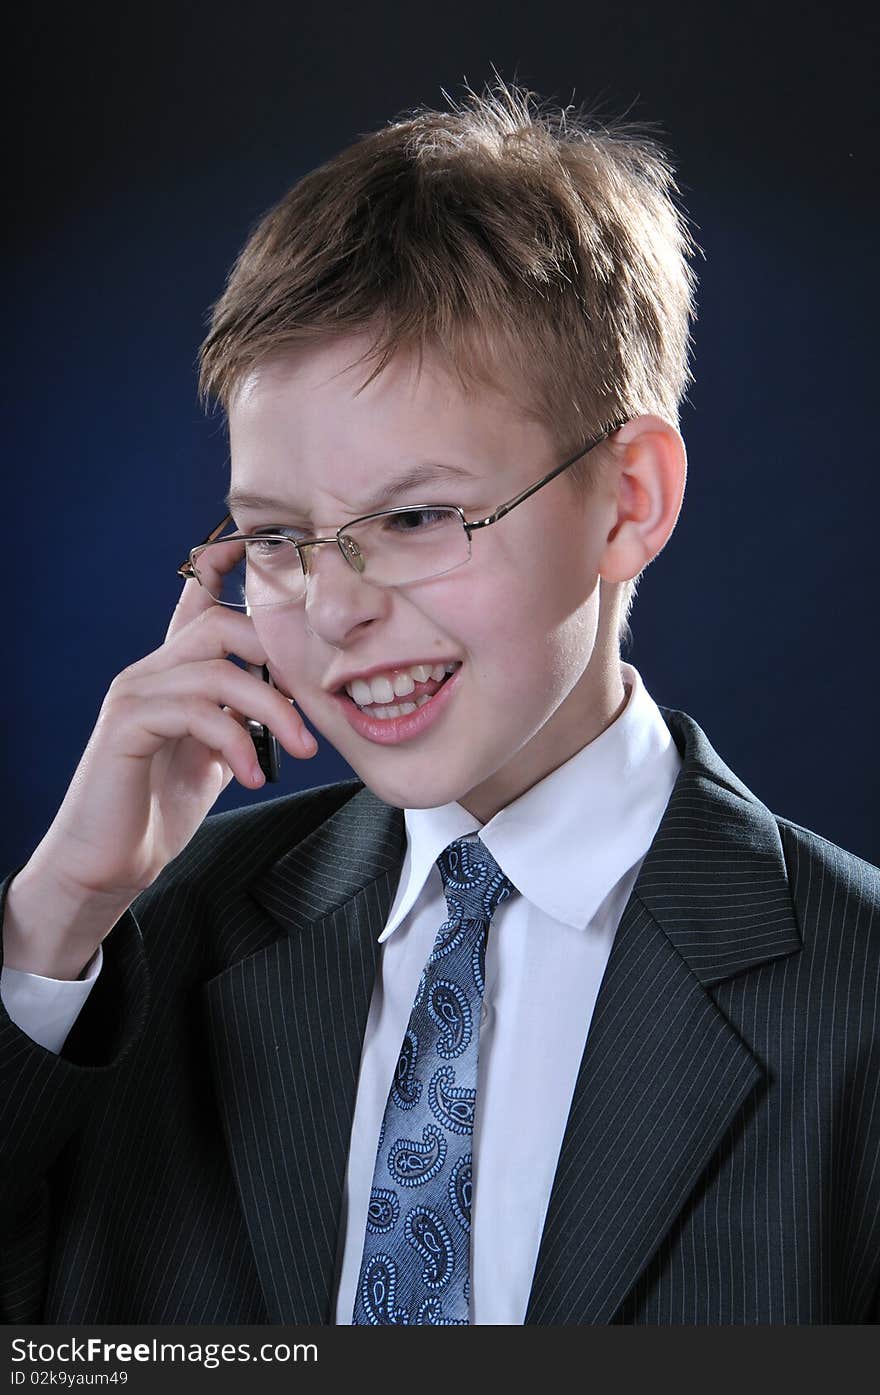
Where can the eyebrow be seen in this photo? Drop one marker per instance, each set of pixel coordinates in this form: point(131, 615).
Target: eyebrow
point(429, 472)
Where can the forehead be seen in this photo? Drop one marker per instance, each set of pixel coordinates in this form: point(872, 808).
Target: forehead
point(313, 410)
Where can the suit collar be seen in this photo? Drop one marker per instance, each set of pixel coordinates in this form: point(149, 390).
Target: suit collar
point(360, 843)
point(714, 877)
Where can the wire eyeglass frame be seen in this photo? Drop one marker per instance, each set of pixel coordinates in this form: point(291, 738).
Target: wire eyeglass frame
point(188, 570)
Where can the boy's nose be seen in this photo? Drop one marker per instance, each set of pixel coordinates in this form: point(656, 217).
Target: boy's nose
point(337, 598)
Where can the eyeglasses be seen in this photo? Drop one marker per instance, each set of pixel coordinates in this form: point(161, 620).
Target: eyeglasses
point(395, 547)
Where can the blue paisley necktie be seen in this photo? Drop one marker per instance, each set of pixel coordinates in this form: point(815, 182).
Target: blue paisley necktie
point(416, 1262)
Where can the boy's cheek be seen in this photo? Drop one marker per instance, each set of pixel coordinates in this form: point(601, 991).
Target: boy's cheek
point(308, 696)
point(312, 703)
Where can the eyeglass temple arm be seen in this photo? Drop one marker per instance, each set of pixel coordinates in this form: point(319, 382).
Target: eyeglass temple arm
point(186, 568)
point(527, 493)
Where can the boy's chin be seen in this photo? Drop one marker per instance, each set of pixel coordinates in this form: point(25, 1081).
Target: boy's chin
point(421, 794)
point(399, 800)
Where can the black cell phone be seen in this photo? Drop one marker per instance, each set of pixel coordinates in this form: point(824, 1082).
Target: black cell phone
point(266, 745)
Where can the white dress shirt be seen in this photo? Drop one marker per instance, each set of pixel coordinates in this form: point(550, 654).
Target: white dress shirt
point(572, 845)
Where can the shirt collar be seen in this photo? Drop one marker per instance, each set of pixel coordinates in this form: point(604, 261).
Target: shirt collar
point(569, 839)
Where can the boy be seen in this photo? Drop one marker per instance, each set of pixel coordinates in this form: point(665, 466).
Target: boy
point(545, 1017)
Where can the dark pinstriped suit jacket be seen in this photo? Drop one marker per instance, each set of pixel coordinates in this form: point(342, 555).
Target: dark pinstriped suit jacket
point(183, 1161)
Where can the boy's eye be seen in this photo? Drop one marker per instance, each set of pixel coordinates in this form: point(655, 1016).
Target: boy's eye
point(414, 519)
point(261, 547)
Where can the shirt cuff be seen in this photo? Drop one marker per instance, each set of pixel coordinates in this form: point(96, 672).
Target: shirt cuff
point(46, 1008)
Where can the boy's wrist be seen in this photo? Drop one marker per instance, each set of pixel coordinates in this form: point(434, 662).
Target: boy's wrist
point(52, 929)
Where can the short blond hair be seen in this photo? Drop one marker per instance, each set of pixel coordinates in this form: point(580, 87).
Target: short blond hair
point(535, 248)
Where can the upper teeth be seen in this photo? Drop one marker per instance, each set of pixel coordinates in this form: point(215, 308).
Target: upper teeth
point(386, 687)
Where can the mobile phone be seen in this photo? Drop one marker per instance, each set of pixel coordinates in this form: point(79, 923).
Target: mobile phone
point(266, 745)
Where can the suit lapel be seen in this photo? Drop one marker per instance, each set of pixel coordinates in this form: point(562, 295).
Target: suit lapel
point(664, 1075)
point(287, 1025)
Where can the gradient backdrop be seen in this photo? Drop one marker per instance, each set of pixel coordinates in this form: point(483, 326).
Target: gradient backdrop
point(148, 139)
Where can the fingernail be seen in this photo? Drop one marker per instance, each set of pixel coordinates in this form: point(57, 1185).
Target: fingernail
point(257, 776)
point(309, 743)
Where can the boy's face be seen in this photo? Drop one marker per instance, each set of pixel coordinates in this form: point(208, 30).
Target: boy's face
point(536, 679)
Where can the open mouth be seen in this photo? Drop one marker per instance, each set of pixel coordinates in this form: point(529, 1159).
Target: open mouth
point(400, 705)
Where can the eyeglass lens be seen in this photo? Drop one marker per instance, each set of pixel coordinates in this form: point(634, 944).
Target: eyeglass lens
point(393, 549)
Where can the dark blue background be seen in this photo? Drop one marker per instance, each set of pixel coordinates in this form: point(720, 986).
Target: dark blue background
point(148, 142)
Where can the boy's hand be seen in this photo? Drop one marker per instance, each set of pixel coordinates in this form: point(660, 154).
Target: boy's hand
point(169, 737)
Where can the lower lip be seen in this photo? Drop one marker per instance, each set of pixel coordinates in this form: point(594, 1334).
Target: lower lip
point(392, 730)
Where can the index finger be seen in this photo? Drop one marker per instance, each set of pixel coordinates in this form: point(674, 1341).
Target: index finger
point(195, 597)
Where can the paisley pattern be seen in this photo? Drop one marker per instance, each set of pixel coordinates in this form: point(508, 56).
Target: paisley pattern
point(473, 881)
point(460, 1191)
point(383, 1211)
point(411, 1163)
point(378, 1286)
point(449, 1011)
point(416, 1261)
point(430, 1314)
point(452, 1106)
point(424, 1230)
point(406, 1089)
point(478, 965)
point(448, 937)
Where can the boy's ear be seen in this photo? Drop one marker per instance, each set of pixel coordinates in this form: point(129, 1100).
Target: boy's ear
point(645, 487)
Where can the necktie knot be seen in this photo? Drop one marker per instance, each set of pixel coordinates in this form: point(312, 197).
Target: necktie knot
point(472, 880)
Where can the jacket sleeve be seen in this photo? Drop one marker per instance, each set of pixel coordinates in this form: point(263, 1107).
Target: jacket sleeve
point(46, 1008)
point(45, 1098)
